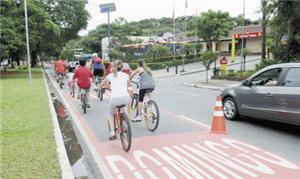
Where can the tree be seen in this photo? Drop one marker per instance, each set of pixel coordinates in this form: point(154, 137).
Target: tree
point(71, 16)
point(211, 25)
point(12, 39)
point(120, 21)
point(42, 30)
point(284, 19)
point(207, 58)
point(158, 51)
point(187, 49)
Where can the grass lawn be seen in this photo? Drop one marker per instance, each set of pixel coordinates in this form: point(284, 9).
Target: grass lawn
point(28, 148)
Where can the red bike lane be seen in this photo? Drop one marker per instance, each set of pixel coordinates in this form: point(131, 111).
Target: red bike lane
point(186, 155)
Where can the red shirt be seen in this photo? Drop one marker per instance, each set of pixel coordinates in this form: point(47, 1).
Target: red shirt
point(59, 66)
point(83, 76)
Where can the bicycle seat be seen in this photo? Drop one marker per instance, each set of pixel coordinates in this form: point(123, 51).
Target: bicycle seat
point(121, 106)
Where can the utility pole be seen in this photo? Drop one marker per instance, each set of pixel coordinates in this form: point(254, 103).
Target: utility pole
point(174, 50)
point(109, 38)
point(185, 17)
point(264, 35)
point(242, 46)
point(27, 42)
point(196, 37)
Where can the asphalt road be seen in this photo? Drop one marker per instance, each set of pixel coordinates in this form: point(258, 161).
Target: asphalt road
point(186, 112)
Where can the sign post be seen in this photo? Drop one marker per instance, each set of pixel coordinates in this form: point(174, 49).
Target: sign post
point(223, 62)
point(107, 8)
point(233, 49)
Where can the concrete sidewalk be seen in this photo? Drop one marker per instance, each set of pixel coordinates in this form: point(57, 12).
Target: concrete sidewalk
point(212, 84)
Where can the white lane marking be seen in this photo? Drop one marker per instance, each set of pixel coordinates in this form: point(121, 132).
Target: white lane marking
point(186, 93)
point(193, 121)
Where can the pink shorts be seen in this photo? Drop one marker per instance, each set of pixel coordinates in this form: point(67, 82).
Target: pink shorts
point(71, 84)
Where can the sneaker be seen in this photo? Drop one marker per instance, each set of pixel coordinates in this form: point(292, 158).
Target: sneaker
point(113, 137)
point(138, 118)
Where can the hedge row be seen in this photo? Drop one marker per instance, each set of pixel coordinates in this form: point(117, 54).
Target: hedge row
point(161, 65)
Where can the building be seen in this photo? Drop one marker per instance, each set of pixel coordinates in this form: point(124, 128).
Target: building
point(252, 39)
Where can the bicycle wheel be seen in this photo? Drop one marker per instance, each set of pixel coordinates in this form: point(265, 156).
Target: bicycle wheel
point(125, 132)
point(134, 102)
point(101, 92)
point(73, 91)
point(152, 118)
point(109, 128)
point(84, 104)
point(61, 84)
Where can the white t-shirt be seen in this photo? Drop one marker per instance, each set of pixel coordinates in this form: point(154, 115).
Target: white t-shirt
point(70, 76)
point(118, 85)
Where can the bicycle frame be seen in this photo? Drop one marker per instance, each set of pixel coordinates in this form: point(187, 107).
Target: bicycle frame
point(147, 98)
point(118, 120)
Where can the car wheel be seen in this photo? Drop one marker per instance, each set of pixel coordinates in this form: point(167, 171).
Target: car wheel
point(230, 109)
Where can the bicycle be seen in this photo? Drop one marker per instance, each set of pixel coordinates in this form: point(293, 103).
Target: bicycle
point(72, 88)
point(60, 80)
point(151, 116)
point(100, 91)
point(83, 99)
point(122, 126)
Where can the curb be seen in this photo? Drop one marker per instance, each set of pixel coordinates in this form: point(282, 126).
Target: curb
point(97, 165)
point(202, 70)
point(203, 86)
point(66, 169)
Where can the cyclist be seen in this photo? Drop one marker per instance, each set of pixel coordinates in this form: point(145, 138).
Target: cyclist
point(119, 82)
point(83, 75)
point(146, 84)
point(59, 67)
point(70, 77)
point(108, 66)
point(97, 66)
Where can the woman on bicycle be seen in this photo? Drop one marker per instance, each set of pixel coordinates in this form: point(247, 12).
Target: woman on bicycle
point(119, 83)
point(146, 84)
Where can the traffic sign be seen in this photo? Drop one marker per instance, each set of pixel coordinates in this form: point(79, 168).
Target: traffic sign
point(109, 7)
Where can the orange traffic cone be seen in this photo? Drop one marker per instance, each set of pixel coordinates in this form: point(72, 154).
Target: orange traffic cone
point(218, 123)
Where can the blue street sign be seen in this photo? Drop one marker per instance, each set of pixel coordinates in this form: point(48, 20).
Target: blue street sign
point(109, 7)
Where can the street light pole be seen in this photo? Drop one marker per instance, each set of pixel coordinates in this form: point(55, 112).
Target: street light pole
point(183, 56)
point(195, 50)
point(109, 41)
point(242, 46)
point(27, 42)
point(174, 47)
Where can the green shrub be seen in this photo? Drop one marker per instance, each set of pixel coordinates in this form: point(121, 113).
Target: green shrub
point(231, 73)
point(249, 73)
point(264, 63)
point(23, 67)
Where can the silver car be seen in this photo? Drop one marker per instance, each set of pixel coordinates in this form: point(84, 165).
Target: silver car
point(272, 93)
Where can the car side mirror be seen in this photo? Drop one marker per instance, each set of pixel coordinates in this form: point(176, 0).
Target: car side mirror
point(286, 82)
point(246, 83)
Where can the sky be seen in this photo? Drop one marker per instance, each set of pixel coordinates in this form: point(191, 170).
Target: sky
point(135, 10)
